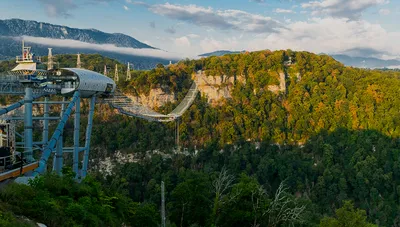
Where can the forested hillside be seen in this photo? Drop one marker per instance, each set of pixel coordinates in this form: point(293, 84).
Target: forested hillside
point(322, 152)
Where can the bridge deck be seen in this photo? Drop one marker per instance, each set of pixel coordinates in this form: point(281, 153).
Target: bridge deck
point(130, 108)
point(17, 172)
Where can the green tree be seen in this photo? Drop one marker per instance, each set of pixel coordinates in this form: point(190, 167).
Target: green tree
point(347, 216)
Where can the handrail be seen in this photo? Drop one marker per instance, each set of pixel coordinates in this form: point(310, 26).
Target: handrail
point(126, 106)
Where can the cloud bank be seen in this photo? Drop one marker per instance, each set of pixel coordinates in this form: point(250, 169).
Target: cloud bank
point(58, 8)
point(218, 19)
point(68, 43)
point(341, 8)
point(348, 36)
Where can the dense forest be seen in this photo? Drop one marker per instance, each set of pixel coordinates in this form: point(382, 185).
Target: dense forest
point(324, 152)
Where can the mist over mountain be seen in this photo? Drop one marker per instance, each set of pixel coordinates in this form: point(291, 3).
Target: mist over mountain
point(12, 30)
point(220, 53)
point(366, 62)
point(18, 27)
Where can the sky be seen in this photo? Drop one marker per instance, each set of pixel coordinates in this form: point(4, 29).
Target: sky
point(187, 28)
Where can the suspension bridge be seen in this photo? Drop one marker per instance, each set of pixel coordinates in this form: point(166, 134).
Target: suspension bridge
point(65, 87)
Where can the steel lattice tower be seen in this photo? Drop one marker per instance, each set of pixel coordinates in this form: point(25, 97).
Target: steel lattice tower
point(116, 77)
point(78, 62)
point(50, 62)
point(128, 73)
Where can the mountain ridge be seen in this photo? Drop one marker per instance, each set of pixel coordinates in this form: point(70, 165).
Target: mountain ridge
point(220, 53)
point(18, 27)
point(11, 31)
point(359, 62)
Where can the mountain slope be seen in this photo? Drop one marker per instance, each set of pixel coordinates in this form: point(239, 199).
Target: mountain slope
point(220, 53)
point(11, 31)
point(363, 62)
point(18, 27)
point(359, 62)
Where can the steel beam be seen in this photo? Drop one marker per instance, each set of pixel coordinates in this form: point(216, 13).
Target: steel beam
point(57, 166)
point(51, 102)
point(56, 136)
point(46, 108)
point(72, 149)
point(28, 125)
point(34, 143)
point(33, 118)
point(88, 136)
point(12, 107)
point(75, 164)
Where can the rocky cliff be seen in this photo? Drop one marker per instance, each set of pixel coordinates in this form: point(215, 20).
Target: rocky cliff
point(217, 88)
point(156, 98)
point(214, 88)
point(282, 84)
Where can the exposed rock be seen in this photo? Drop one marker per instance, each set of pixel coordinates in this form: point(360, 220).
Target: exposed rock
point(216, 88)
point(240, 79)
point(156, 98)
point(298, 77)
point(282, 84)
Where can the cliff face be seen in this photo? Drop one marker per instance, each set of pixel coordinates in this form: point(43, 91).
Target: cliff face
point(282, 84)
point(216, 88)
point(156, 98)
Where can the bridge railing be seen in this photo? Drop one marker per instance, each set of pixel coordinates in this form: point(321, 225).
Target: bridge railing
point(130, 108)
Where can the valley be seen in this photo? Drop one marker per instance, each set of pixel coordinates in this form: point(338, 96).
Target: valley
point(314, 133)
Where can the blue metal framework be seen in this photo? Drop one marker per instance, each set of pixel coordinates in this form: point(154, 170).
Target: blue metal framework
point(56, 136)
point(34, 84)
point(75, 165)
point(88, 136)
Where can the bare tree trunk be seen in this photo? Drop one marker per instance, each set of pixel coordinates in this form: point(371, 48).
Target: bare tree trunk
point(183, 210)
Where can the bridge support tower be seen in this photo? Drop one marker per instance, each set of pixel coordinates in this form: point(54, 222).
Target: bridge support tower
point(28, 124)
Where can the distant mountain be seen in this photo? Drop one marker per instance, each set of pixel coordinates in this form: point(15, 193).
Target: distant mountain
point(10, 47)
point(17, 27)
point(362, 62)
point(220, 53)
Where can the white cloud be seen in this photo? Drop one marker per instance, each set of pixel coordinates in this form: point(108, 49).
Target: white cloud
point(126, 8)
point(341, 8)
point(101, 47)
point(62, 8)
point(59, 7)
point(193, 36)
point(283, 10)
point(384, 12)
point(170, 30)
point(210, 44)
point(218, 19)
point(317, 35)
point(182, 42)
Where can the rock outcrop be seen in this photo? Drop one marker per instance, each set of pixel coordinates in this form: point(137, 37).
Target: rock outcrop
point(282, 84)
point(216, 88)
point(156, 98)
